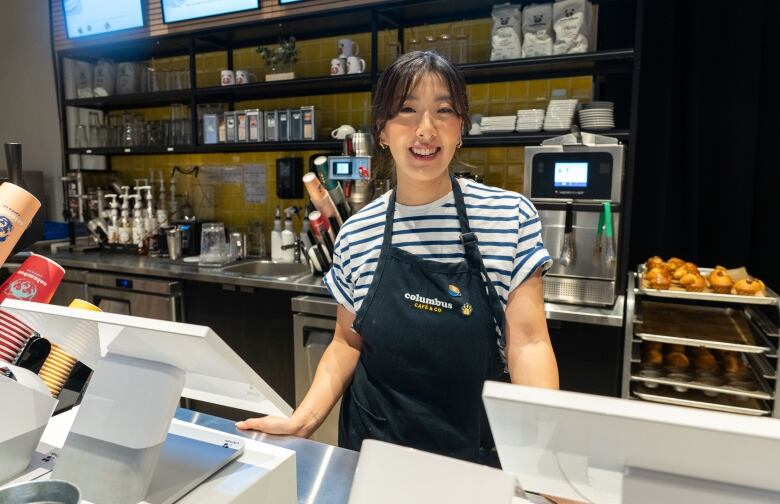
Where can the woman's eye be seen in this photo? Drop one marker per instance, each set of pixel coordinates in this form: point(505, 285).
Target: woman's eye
point(407, 110)
point(446, 110)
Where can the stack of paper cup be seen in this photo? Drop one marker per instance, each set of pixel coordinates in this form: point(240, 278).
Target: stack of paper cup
point(13, 336)
point(59, 364)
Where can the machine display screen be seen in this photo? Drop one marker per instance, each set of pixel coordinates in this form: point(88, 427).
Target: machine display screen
point(571, 174)
point(93, 17)
point(343, 168)
point(183, 10)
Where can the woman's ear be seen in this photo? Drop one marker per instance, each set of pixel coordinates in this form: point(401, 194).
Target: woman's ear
point(382, 138)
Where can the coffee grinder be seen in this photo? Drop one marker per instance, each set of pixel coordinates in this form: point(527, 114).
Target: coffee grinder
point(575, 182)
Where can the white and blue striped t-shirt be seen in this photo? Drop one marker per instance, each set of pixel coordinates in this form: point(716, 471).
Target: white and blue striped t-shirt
point(507, 226)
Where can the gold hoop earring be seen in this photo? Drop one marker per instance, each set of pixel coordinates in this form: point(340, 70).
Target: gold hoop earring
point(384, 146)
point(459, 144)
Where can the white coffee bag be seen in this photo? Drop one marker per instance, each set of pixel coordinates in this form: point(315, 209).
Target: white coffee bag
point(571, 23)
point(505, 36)
point(537, 30)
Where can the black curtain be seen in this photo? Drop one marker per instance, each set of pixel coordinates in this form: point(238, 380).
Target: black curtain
point(707, 171)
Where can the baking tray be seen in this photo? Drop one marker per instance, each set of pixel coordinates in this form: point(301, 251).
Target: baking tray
point(723, 328)
point(696, 399)
point(762, 322)
point(762, 366)
point(761, 393)
point(770, 297)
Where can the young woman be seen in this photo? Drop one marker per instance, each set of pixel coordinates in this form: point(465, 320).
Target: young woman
point(439, 285)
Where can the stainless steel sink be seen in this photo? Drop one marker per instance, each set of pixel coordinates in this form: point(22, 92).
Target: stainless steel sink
point(268, 269)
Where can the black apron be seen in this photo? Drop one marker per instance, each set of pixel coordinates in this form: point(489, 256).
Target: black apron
point(429, 333)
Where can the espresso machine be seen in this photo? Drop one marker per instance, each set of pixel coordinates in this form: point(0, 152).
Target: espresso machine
point(575, 182)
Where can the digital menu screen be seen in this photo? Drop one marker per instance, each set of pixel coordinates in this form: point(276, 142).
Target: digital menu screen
point(289, 1)
point(184, 10)
point(571, 174)
point(94, 17)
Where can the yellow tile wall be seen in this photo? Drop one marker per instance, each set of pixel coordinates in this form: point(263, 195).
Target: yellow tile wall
point(210, 198)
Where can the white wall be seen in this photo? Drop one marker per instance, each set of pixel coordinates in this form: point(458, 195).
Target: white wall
point(28, 100)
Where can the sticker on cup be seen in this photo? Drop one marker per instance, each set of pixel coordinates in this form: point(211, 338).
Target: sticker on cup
point(227, 77)
point(337, 66)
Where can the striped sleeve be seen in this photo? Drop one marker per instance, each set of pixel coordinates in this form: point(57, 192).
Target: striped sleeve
point(530, 254)
point(339, 279)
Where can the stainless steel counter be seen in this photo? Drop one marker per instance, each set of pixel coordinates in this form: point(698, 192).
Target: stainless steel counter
point(308, 284)
point(324, 472)
point(165, 268)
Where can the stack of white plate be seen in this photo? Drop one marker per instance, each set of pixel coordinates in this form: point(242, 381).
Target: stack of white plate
point(597, 116)
point(498, 124)
point(560, 114)
point(530, 120)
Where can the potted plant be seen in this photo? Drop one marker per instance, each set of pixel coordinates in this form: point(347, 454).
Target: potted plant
point(279, 60)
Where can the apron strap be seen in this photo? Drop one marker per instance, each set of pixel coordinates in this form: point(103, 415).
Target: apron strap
point(474, 259)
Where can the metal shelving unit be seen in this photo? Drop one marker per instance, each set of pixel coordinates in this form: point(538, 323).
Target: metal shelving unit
point(756, 342)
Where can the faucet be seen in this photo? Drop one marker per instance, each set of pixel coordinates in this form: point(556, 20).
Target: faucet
point(299, 250)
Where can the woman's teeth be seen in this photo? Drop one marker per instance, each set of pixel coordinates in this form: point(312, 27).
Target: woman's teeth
point(427, 152)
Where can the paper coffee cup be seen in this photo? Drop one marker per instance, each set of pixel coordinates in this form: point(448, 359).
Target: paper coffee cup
point(36, 280)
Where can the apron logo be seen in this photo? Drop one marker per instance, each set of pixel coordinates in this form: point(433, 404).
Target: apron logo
point(453, 290)
point(467, 309)
point(428, 304)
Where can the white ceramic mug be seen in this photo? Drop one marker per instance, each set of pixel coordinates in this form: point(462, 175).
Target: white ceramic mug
point(342, 131)
point(227, 77)
point(244, 77)
point(348, 47)
point(355, 65)
point(337, 66)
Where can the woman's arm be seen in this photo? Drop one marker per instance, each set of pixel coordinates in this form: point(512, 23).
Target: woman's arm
point(334, 372)
point(529, 353)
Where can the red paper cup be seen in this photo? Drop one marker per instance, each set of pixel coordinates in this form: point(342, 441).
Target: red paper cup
point(36, 280)
point(13, 336)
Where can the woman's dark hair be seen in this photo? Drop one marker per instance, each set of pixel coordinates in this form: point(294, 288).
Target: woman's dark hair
point(402, 76)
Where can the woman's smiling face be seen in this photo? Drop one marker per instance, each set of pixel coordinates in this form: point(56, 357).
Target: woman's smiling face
point(425, 133)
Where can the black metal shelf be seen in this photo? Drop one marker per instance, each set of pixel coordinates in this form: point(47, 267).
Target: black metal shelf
point(535, 138)
point(595, 63)
point(213, 148)
point(294, 87)
point(564, 65)
point(132, 101)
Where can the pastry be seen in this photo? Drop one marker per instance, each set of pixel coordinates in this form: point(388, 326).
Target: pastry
point(693, 282)
point(683, 270)
point(674, 263)
point(652, 345)
point(697, 351)
point(653, 358)
point(677, 360)
point(654, 262)
point(658, 279)
point(748, 286)
point(705, 361)
point(720, 281)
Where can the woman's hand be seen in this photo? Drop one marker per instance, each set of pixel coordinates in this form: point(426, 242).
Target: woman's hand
point(274, 425)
